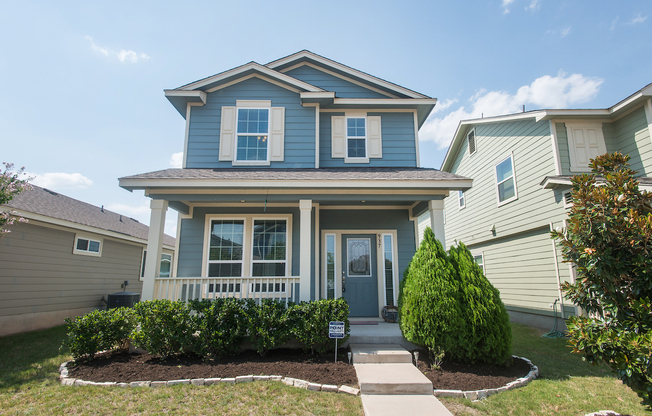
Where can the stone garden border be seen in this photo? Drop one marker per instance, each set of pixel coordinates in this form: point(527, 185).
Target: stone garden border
point(483, 394)
point(302, 384)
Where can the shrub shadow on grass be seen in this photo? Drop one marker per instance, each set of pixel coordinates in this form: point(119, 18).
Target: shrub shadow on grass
point(553, 356)
point(31, 357)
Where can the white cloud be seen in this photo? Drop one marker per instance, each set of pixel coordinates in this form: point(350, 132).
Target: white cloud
point(560, 91)
point(506, 4)
point(442, 105)
point(614, 23)
point(59, 180)
point(176, 160)
point(638, 19)
point(565, 31)
point(122, 55)
point(534, 5)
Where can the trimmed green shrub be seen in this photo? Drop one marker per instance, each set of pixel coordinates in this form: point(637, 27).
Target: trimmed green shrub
point(609, 239)
point(222, 325)
point(310, 323)
point(98, 331)
point(446, 303)
point(268, 324)
point(165, 327)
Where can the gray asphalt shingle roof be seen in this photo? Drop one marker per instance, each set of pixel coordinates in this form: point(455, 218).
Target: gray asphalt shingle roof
point(52, 204)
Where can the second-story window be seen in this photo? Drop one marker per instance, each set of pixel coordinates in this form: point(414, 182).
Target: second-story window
point(356, 137)
point(506, 180)
point(252, 135)
point(461, 199)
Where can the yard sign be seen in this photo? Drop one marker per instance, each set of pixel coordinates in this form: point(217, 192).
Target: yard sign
point(336, 330)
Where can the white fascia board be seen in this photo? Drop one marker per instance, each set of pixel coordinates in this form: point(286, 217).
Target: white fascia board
point(553, 114)
point(244, 68)
point(75, 226)
point(190, 96)
point(319, 95)
point(238, 184)
point(346, 69)
point(552, 183)
point(385, 101)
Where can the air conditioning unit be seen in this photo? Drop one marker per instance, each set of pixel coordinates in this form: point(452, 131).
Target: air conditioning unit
point(127, 299)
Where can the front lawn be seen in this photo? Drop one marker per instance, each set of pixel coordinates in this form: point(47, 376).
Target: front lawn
point(567, 385)
point(29, 385)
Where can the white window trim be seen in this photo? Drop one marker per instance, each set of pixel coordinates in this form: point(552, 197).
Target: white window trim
point(475, 141)
point(602, 146)
point(394, 263)
point(461, 199)
point(86, 252)
point(143, 257)
point(480, 254)
point(515, 197)
point(207, 241)
point(161, 264)
point(247, 250)
point(237, 162)
point(348, 159)
point(288, 248)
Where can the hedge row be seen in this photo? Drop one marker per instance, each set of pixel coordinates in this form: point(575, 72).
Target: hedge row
point(206, 328)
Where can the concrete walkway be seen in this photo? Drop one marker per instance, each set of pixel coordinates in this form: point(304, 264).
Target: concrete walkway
point(391, 385)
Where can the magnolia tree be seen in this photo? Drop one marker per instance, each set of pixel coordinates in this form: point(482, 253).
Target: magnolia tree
point(609, 240)
point(11, 184)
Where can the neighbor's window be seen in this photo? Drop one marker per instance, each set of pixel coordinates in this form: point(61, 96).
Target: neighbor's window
point(87, 246)
point(252, 134)
point(479, 260)
point(461, 199)
point(505, 180)
point(356, 137)
point(166, 265)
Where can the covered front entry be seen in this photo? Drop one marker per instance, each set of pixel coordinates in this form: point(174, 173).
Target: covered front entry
point(359, 274)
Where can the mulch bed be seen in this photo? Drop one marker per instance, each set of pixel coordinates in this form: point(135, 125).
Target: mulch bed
point(125, 367)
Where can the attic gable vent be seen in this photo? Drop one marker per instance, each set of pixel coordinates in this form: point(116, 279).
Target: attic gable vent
point(568, 199)
point(471, 138)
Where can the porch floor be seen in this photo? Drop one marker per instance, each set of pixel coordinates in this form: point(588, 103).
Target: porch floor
point(381, 333)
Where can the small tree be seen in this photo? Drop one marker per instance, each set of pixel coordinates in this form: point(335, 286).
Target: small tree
point(608, 238)
point(446, 303)
point(11, 185)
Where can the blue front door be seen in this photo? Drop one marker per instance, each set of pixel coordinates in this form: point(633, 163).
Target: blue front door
point(359, 281)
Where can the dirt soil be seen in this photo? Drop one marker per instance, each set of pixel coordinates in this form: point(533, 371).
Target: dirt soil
point(125, 367)
point(457, 376)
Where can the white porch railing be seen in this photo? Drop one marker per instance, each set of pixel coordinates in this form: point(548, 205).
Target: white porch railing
point(188, 288)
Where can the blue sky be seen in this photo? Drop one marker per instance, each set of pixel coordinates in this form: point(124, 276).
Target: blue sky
point(82, 97)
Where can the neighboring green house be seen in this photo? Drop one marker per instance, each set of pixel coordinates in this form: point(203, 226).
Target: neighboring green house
point(521, 165)
point(301, 180)
point(66, 259)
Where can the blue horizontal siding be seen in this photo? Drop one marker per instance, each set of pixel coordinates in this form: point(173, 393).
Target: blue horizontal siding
point(204, 130)
point(399, 149)
point(328, 82)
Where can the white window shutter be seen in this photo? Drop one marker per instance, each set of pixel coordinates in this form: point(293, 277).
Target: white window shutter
point(277, 134)
point(374, 137)
point(338, 137)
point(227, 133)
point(585, 142)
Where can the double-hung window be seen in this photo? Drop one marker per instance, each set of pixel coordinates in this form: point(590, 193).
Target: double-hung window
point(461, 199)
point(356, 137)
point(87, 246)
point(252, 135)
point(226, 247)
point(269, 248)
point(506, 180)
point(479, 260)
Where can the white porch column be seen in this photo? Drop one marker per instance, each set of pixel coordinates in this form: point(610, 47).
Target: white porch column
point(305, 209)
point(154, 246)
point(436, 208)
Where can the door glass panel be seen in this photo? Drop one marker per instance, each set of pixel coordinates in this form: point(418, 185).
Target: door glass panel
point(358, 256)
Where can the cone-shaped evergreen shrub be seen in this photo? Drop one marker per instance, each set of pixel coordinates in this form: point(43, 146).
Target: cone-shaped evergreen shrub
point(446, 302)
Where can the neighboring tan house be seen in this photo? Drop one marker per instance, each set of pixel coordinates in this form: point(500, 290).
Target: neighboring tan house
point(66, 258)
point(521, 165)
point(301, 180)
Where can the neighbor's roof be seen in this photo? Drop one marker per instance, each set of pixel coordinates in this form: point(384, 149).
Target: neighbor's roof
point(610, 113)
point(290, 178)
point(46, 203)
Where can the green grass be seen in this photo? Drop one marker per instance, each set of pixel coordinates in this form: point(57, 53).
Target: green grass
point(29, 385)
point(566, 386)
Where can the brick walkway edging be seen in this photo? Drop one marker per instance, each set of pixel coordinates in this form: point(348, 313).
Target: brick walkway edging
point(483, 394)
point(302, 384)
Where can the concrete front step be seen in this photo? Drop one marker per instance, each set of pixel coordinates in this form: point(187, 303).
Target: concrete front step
point(379, 353)
point(393, 405)
point(392, 378)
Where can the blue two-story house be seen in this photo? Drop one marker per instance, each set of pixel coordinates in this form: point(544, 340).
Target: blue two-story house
point(300, 181)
